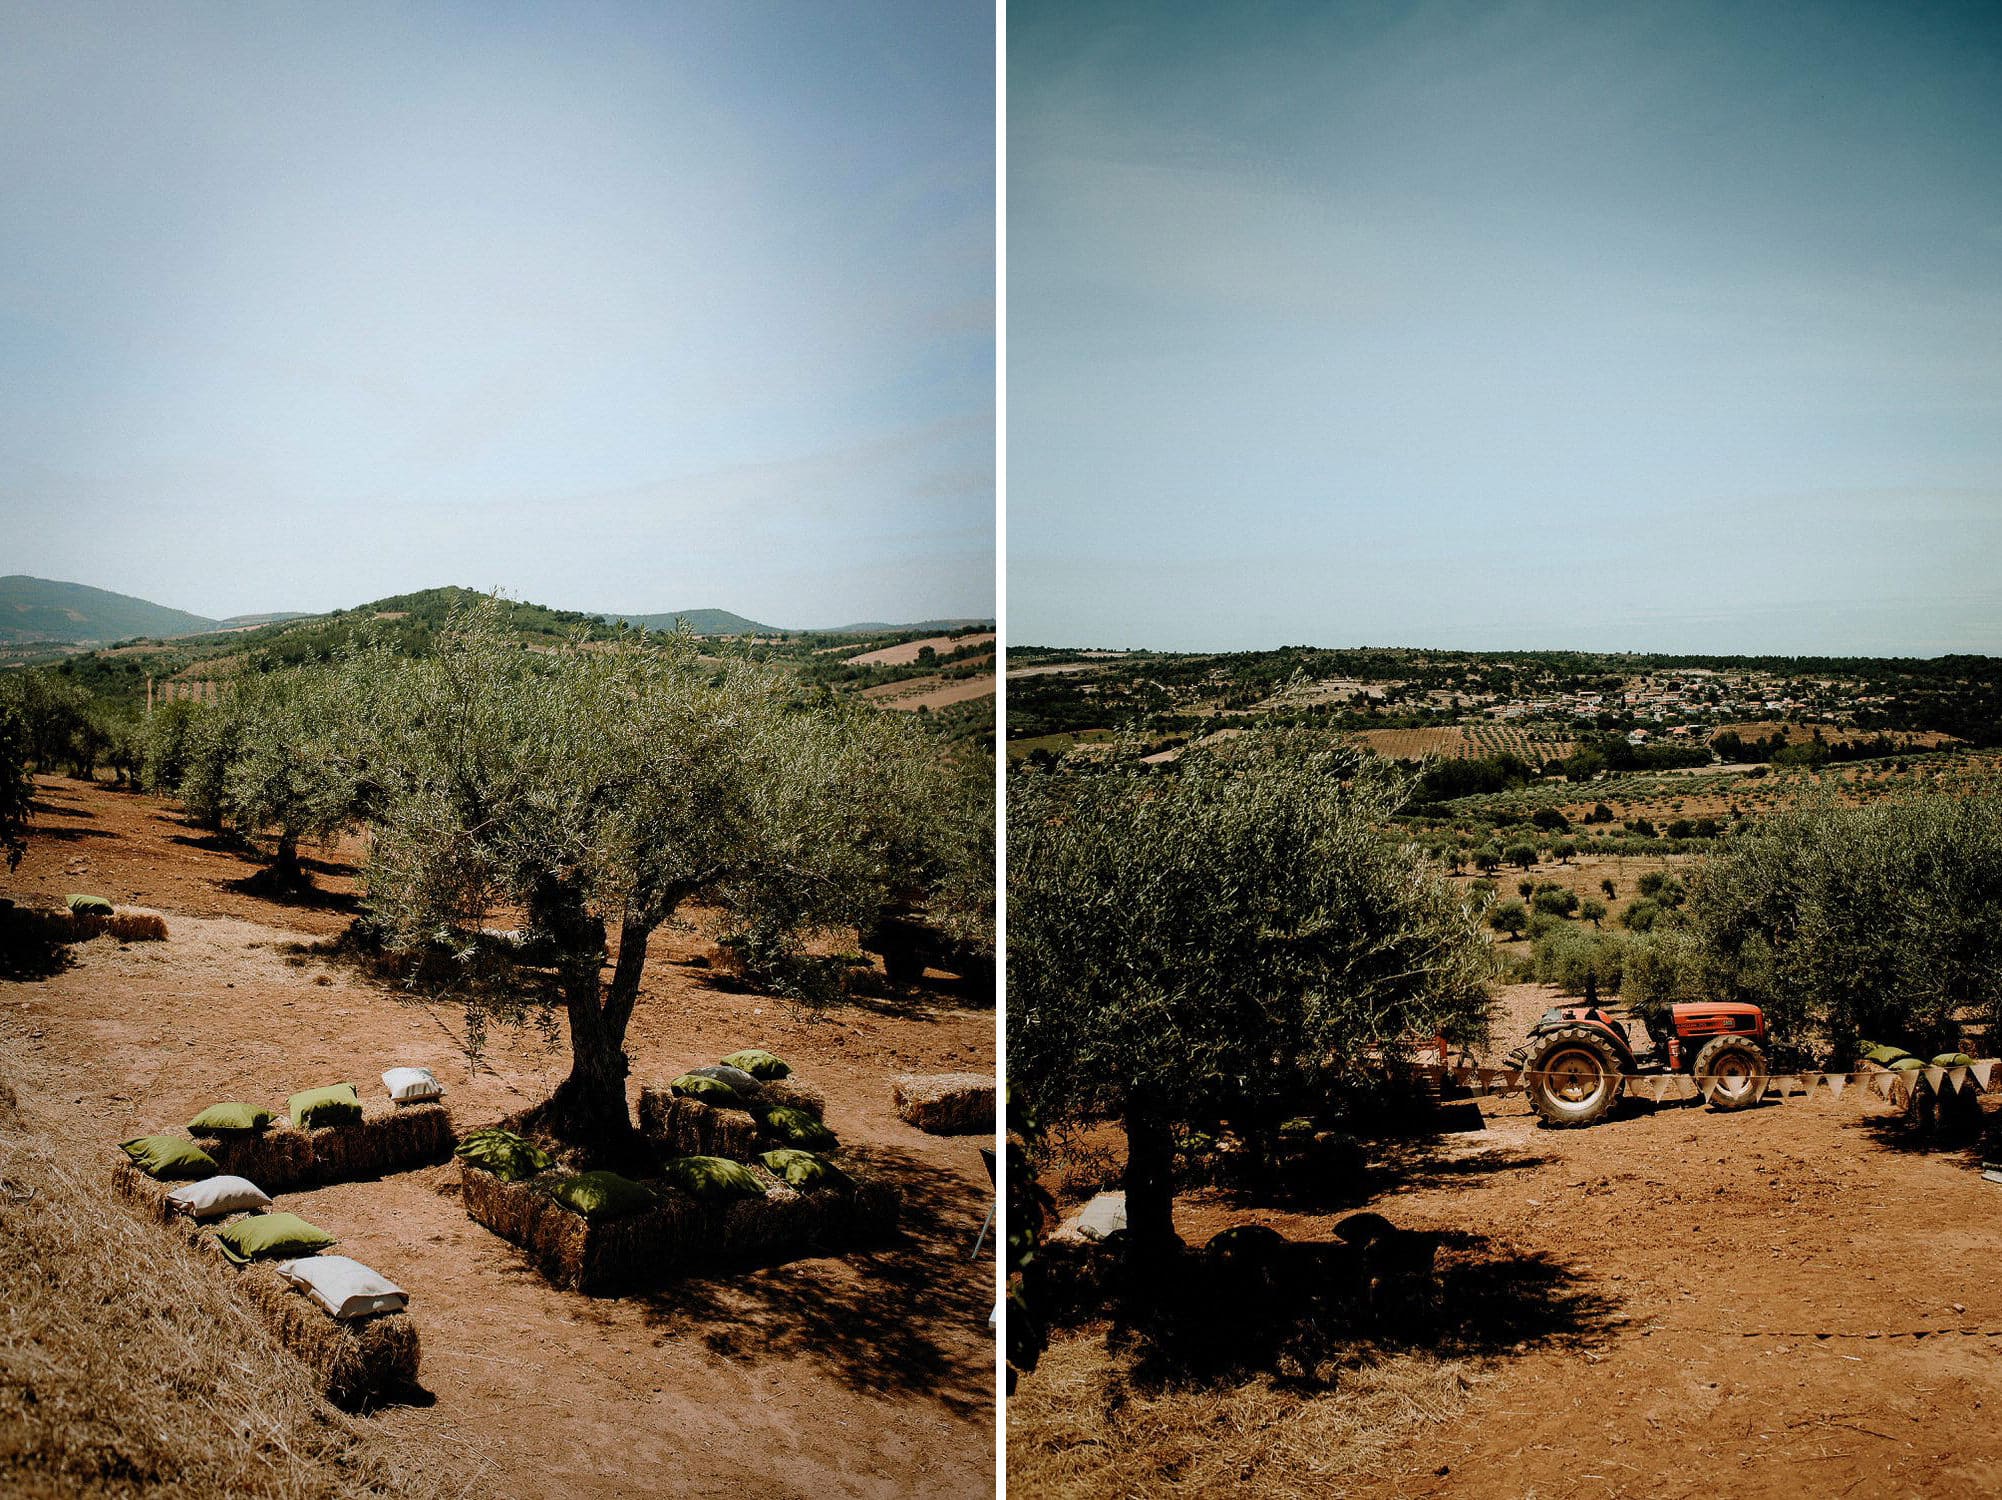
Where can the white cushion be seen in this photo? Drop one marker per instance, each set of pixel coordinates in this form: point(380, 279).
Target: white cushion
point(214, 1196)
point(406, 1085)
point(346, 1288)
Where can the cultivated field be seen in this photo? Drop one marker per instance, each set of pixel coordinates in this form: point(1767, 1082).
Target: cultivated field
point(863, 1374)
point(904, 653)
point(1467, 742)
point(934, 693)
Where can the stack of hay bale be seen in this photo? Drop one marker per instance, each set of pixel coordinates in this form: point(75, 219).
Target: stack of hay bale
point(344, 1322)
point(741, 1180)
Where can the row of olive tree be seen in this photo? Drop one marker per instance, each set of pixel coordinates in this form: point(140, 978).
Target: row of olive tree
point(593, 789)
point(1190, 944)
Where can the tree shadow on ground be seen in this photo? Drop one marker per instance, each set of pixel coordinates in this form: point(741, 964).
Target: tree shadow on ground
point(269, 885)
point(32, 945)
point(1959, 1131)
point(69, 835)
point(872, 1318)
point(58, 809)
point(1303, 1309)
point(1406, 1162)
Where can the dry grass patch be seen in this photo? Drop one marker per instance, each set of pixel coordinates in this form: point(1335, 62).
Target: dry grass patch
point(1080, 1426)
point(128, 1365)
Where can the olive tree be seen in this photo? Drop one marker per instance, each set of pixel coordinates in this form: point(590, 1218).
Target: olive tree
point(1883, 922)
point(1224, 933)
point(292, 766)
point(17, 786)
point(601, 787)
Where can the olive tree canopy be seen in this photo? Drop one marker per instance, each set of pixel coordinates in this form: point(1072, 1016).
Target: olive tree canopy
point(1239, 926)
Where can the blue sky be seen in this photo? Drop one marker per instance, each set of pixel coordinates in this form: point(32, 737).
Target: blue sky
point(1655, 326)
point(628, 307)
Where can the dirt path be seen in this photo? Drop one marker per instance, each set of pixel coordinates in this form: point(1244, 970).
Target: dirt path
point(869, 1375)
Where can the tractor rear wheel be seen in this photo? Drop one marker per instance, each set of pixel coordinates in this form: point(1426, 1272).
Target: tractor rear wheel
point(1736, 1069)
point(1574, 1076)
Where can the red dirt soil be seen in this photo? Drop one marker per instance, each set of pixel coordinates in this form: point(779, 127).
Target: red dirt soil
point(1757, 1285)
point(865, 1375)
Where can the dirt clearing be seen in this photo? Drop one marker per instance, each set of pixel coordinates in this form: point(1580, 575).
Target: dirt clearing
point(1784, 1300)
point(864, 1375)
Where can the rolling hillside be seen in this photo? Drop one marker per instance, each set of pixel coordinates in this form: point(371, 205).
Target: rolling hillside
point(43, 609)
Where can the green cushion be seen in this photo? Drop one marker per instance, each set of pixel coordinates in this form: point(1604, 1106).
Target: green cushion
point(336, 1104)
point(271, 1237)
point(797, 1128)
point(1906, 1064)
point(220, 1119)
point(1884, 1054)
point(603, 1195)
point(759, 1063)
point(1953, 1060)
point(95, 906)
point(709, 1090)
point(802, 1169)
point(712, 1178)
point(168, 1157)
point(510, 1157)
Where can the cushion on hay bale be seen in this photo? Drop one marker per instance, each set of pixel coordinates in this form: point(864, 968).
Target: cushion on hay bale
point(688, 1127)
point(946, 1103)
point(1953, 1060)
point(602, 1195)
point(797, 1128)
point(711, 1091)
point(746, 1086)
point(412, 1085)
point(167, 1157)
point(271, 1237)
point(709, 1178)
point(1905, 1064)
point(336, 1104)
point(88, 906)
point(802, 1169)
point(345, 1288)
point(212, 1197)
point(220, 1119)
point(759, 1063)
point(356, 1361)
point(502, 1153)
point(795, 1093)
point(1884, 1054)
point(679, 1232)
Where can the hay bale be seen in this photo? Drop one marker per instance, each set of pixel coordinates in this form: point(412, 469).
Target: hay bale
point(794, 1093)
point(400, 1138)
point(358, 1361)
point(946, 1103)
point(680, 1233)
point(276, 1158)
point(142, 1192)
point(688, 1127)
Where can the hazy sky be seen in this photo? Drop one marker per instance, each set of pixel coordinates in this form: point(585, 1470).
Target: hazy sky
point(1646, 326)
point(632, 307)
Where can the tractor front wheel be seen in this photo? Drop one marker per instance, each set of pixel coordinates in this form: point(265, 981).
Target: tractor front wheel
point(1574, 1077)
point(1736, 1069)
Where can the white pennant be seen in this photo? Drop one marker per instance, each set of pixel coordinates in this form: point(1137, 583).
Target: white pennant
point(1836, 1083)
point(1956, 1078)
point(1981, 1071)
point(1934, 1078)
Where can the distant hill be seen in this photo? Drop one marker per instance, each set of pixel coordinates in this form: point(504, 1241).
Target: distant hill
point(43, 609)
point(239, 622)
point(877, 627)
point(722, 622)
point(701, 621)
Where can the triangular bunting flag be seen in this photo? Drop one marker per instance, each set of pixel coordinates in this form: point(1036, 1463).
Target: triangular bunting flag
point(1879, 1084)
point(1706, 1085)
point(1956, 1078)
point(1509, 1077)
point(1484, 1077)
point(1647, 1088)
point(1981, 1072)
point(1836, 1083)
point(1934, 1078)
point(1788, 1083)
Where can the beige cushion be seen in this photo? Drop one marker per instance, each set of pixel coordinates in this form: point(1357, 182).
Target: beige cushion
point(346, 1288)
point(213, 1197)
point(408, 1085)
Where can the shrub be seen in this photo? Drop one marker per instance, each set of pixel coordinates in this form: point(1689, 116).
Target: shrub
point(1556, 903)
point(1509, 917)
point(1641, 916)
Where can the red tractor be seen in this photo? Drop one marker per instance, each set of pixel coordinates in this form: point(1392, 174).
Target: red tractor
point(1578, 1058)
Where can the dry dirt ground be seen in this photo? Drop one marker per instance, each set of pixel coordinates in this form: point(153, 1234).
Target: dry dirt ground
point(1787, 1301)
point(869, 1375)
